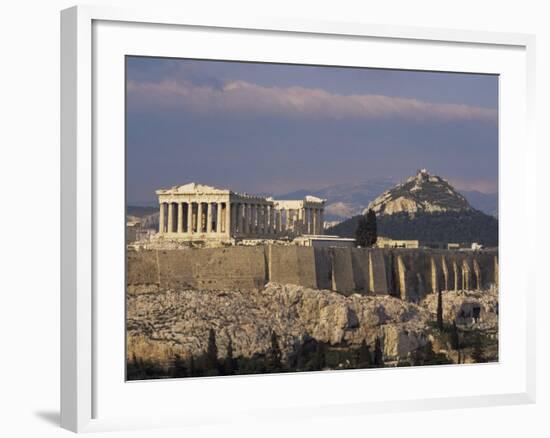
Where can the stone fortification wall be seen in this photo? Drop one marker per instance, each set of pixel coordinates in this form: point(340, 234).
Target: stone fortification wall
point(406, 273)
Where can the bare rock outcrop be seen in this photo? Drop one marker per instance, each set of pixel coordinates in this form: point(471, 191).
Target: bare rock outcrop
point(180, 320)
point(466, 308)
point(420, 193)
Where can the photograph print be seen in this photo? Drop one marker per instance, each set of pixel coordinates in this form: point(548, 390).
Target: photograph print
point(296, 218)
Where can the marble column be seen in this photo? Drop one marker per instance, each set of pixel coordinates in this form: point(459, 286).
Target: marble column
point(239, 219)
point(322, 221)
point(233, 209)
point(190, 217)
point(170, 217)
point(180, 218)
point(219, 217)
point(246, 228)
point(289, 219)
point(209, 217)
point(252, 219)
point(315, 221)
point(161, 217)
point(199, 217)
point(228, 218)
point(235, 218)
point(260, 220)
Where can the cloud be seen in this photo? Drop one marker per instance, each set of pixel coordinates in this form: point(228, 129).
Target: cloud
point(247, 98)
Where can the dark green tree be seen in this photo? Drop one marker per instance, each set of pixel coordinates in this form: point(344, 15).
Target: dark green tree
point(378, 353)
point(366, 232)
point(178, 366)
point(230, 363)
point(300, 359)
point(361, 238)
point(192, 370)
point(439, 310)
point(320, 360)
point(274, 355)
point(212, 364)
point(364, 360)
point(372, 228)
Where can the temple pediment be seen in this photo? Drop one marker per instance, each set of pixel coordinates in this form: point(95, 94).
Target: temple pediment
point(193, 188)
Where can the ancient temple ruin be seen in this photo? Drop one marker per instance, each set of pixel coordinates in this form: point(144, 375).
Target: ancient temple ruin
point(200, 212)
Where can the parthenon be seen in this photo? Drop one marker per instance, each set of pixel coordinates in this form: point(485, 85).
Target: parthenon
point(199, 212)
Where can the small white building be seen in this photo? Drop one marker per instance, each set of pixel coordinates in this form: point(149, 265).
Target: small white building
point(324, 240)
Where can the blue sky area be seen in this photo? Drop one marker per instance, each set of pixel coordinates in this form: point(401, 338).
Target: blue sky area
point(277, 128)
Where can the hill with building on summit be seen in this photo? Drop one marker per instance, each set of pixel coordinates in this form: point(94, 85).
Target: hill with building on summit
point(427, 208)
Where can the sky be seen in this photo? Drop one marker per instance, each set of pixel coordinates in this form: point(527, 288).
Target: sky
point(277, 128)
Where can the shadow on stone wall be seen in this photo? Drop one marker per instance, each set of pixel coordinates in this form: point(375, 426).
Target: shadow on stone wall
point(406, 273)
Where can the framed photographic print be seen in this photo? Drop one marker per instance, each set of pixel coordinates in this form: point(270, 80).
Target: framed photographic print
point(285, 216)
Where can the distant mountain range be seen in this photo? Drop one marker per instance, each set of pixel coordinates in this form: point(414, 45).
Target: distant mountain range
point(347, 200)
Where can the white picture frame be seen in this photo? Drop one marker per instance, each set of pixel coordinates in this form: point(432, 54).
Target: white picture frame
point(85, 30)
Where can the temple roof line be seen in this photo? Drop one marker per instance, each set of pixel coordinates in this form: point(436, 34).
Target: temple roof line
point(194, 188)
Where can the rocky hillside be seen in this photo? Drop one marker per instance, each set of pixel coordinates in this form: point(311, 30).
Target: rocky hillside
point(422, 193)
point(427, 208)
point(171, 322)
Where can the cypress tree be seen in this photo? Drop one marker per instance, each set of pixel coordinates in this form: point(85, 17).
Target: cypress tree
point(371, 228)
point(366, 232)
point(212, 352)
point(178, 367)
point(300, 359)
point(361, 236)
point(230, 364)
point(192, 370)
point(274, 355)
